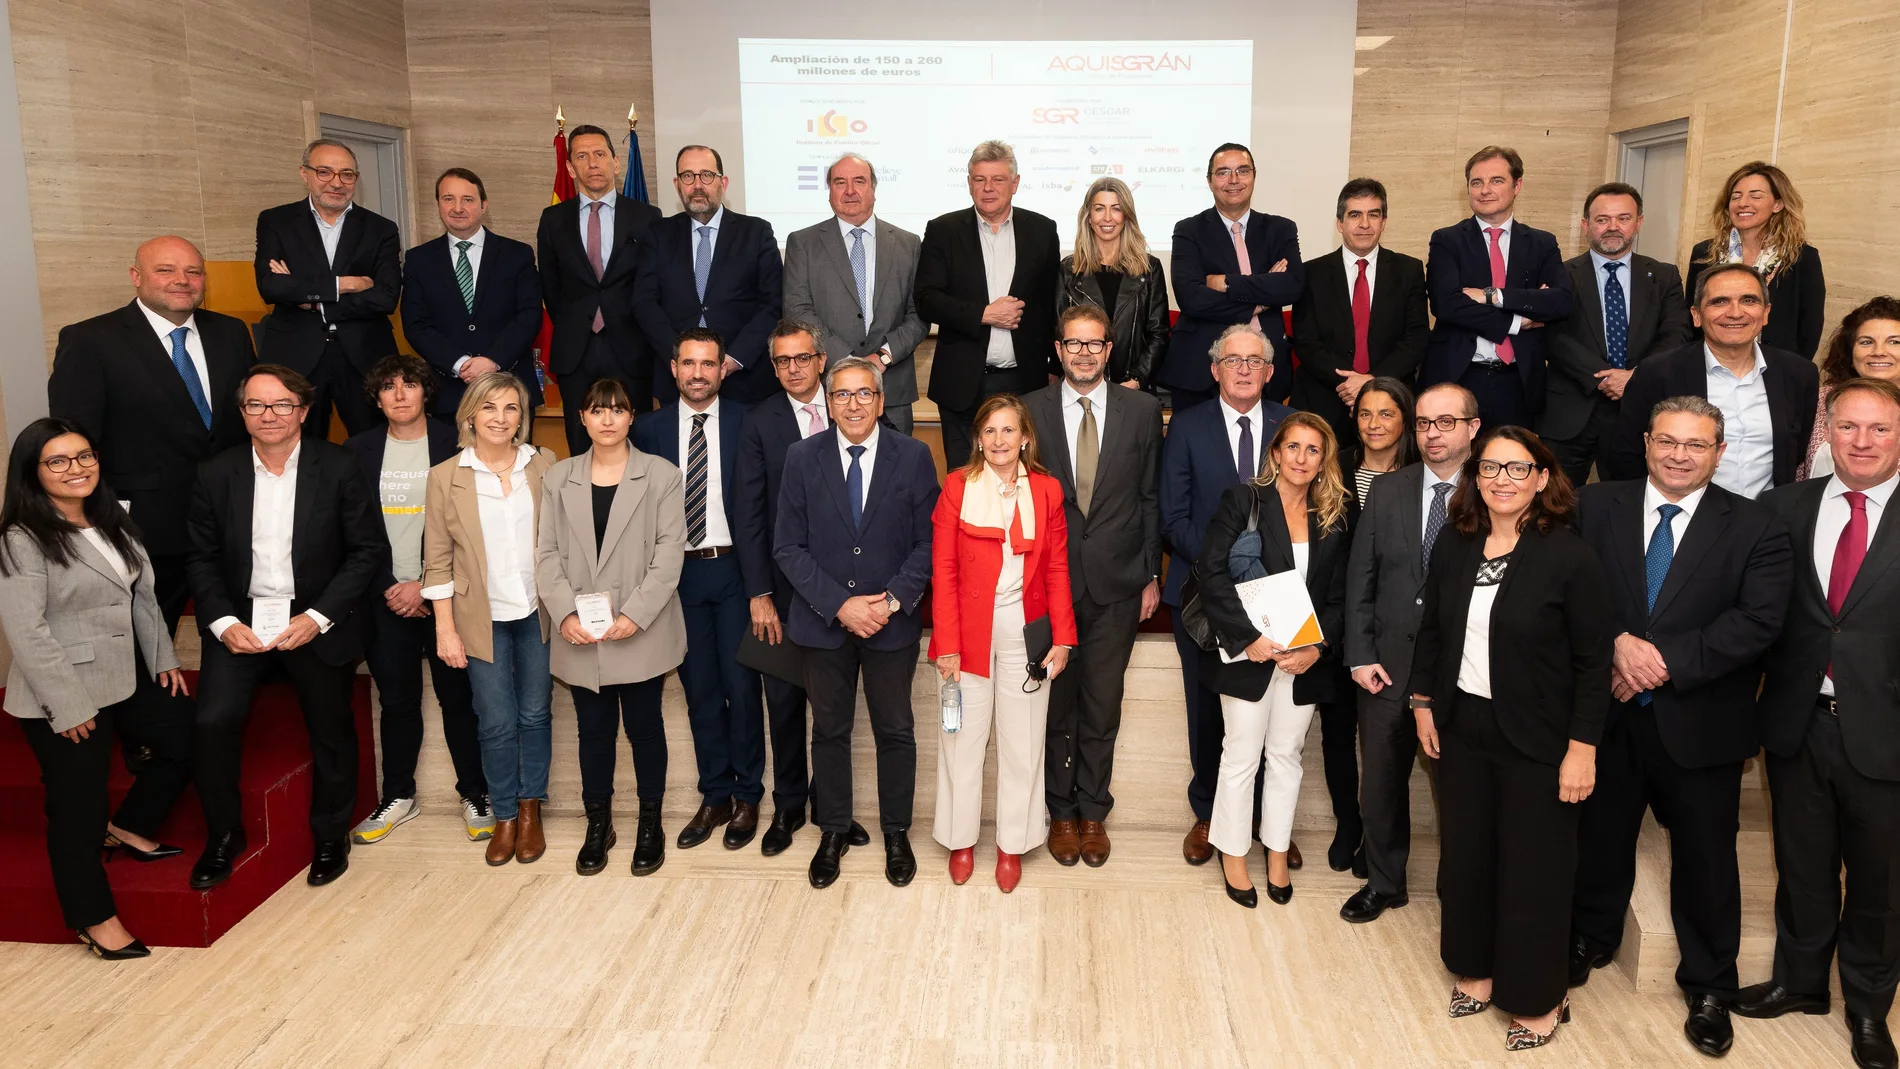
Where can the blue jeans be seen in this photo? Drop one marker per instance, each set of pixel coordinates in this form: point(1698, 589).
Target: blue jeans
point(513, 698)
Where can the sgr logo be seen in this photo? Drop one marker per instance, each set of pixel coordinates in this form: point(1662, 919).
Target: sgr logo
point(832, 124)
point(1058, 116)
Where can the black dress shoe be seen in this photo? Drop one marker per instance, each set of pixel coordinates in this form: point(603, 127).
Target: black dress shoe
point(134, 949)
point(824, 864)
point(331, 859)
point(1248, 898)
point(1873, 1044)
point(900, 865)
point(649, 841)
point(700, 828)
point(1587, 955)
point(859, 837)
point(1770, 999)
point(778, 837)
point(1708, 1026)
point(599, 839)
point(1280, 895)
point(1367, 904)
point(743, 825)
point(113, 847)
point(214, 865)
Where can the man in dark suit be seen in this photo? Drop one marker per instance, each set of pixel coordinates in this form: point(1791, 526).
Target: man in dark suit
point(1209, 448)
point(1362, 314)
point(1494, 284)
point(154, 383)
point(471, 300)
point(1830, 721)
point(699, 433)
point(1385, 602)
point(853, 536)
point(283, 539)
point(1103, 443)
point(1231, 265)
point(1699, 590)
point(332, 271)
point(588, 247)
point(986, 276)
point(1767, 396)
point(1628, 306)
point(712, 268)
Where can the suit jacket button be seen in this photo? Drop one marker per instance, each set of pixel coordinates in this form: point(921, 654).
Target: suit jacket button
point(1418, 601)
point(1837, 629)
point(471, 326)
point(856, 550)
point(853, 584)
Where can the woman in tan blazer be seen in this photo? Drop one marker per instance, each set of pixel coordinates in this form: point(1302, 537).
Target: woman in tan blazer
point(613, 522)
point(478, 555)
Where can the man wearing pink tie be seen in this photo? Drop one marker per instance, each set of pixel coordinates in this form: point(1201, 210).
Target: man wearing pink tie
point(1494, 283)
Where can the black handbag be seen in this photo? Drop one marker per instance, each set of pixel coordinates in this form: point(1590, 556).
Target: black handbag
point(1194, 619)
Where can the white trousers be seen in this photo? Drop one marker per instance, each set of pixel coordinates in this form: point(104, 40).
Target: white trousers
point(1273, 725)
point(1021, 720)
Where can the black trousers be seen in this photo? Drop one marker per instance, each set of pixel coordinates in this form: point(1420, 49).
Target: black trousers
point(1388, 746)
point(1827, 814)
point(598, 715)
point(338, 384)
point(785, 723)
point(1701, 807)
point(398, 647)
point(1207, 730)
point(1500, 393)
point(225, 685)
point(1085, 711)
point(1590, 446)
point(831, 681)
point(957, 423)
point(1507, 864)
point(723, 704)
point(1339, 749)
point(597, 363)
point(168, 579)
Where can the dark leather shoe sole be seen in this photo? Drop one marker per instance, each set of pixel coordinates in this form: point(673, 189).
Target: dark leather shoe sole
point(206, 881)
point(1352, 916)
point(1813, 1005)
point(328, 875)
point(858, 836)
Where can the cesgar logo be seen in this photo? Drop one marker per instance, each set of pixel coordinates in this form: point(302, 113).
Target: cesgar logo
point(832, 124)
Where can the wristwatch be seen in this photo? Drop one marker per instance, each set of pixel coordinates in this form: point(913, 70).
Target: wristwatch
point(1492, 295)
point(891, 603)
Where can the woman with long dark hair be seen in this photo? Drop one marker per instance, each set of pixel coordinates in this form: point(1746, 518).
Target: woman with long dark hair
point(1382, 413)
point(90, 651)
point(1867, 346)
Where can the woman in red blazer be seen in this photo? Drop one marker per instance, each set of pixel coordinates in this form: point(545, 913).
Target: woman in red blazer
point(1000, 557)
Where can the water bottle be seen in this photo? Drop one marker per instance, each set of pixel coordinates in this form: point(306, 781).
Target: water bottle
point(950, 700)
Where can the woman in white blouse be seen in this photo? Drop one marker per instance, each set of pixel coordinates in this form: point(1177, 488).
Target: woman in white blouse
point(478, 555)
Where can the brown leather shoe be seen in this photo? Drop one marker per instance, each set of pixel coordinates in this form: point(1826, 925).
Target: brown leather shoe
point(1293, 859)
point(531, 841)
point(1195, 848)
point(1064, 845)
point(700, 828)
point(744, 825)
point(501, 845)
point(1094, 844)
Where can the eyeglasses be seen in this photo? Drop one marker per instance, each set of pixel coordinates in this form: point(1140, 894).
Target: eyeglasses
point(1078, 346)
point(863, 395)
point(325, 174)
point(1443, 423)
point(704, 178)
point(801, 359)
point(282, 408)
point(1251, 363)
point(1224, 173)
point(86, 459)
point(1517, 470)
point(1694, 448)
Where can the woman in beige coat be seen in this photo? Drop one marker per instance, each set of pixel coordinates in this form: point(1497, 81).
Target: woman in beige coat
point(613, 523)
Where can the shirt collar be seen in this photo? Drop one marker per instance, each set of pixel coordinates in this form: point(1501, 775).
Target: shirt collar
point(164, 326)
point(1097, 396)
point(1352, 262)
point(476, 239)
point(1431, 478)
point(1710, 363)
point(869, 444)
point(523, 454)
point(1232, 415)
point(718, 216)
point(1505, 226)
point(1597, 260)
point(1653, 499)
point(607, 202)
point(798, 407)
point(342, 215)
point(869, 226)
point(711, 413)
point(1879, 494)
point(290, 465)
point(1008, 223)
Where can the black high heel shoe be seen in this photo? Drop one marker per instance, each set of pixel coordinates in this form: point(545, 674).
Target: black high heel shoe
point(1280, 895)
point(114, 844)
point(129, 951)
point(1248, 898)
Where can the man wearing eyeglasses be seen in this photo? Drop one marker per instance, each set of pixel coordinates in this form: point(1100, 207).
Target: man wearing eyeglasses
point(332, 272)
point(1231, 265)
point(711, 268)
point(852, 276)
point(1703, 579)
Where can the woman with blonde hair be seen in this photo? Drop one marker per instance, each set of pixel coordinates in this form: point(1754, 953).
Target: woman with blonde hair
point(1113, 270)
point(1293, 518)
point(1757, 221)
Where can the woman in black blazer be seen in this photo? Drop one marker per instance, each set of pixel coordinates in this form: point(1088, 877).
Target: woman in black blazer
point(1511, 685)
point(1757, 221)
point(1113, 270)
point(1268, 692)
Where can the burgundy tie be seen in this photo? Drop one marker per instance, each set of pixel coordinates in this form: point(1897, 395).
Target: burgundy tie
point(1505, 352)
point(1849, 552)
point(593, 255)
point(1361, 322)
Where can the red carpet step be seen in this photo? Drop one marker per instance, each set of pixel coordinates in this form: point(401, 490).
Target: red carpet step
point(156, 900)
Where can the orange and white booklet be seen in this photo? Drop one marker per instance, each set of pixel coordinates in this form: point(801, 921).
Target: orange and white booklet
point(1281, 608)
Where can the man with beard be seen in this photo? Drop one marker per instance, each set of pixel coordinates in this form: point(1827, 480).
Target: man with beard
point(712, 269)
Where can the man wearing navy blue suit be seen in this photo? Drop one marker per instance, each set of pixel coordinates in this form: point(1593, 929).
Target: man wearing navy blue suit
point(712, 268)
point(1231, 265)
point(471, 300)
point(1210, 447)
point(1493, 284)
point(700, 434)
point(853, 536)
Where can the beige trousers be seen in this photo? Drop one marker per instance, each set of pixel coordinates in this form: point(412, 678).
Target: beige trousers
point(1020, 720)
point(1274, 726)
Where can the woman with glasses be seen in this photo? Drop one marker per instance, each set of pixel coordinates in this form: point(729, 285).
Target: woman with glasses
point(1510, 688)
point(1757, 221)
point(1000, 557)
point(478, 544)
point(90, 652)
point(1867, 346)
point(1113, 270)
point(1294, 517)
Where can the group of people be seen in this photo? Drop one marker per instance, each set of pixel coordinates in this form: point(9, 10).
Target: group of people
point(772, 531)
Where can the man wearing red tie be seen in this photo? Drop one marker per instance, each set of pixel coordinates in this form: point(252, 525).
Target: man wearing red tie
point(1830, 721)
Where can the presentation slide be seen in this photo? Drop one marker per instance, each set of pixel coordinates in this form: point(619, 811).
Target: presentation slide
point(1146, 112)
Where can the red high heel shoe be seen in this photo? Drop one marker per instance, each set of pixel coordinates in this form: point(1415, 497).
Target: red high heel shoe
point(962, 863)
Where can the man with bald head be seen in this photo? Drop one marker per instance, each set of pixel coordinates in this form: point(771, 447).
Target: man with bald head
point(152, 383)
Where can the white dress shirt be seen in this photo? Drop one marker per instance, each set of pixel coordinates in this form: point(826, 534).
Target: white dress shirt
point(718, 532)
point(607, 204)
point(1231, 416)
point(869, 227)
point(1352, 271)
point(475, 241)
point(865, 463)
point(1748, 467)
point(1831, 520)
point(1487, 352)
point(999, 270)
point(273, 520)
point(1427, 491)
point(119, 563)
point(1597, 260)
point(1072, 416)
point(331, 233)
point(194, 347)
point(507, 537)
point(1678, 524)
point(1228, 224)
point(802, 420)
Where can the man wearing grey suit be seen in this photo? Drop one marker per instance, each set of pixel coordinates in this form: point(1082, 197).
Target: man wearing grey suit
point(1103, 444)
point(1385, 599)
point(837, 269)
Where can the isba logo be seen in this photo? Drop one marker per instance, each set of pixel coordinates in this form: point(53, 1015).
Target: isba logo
point(832, 124)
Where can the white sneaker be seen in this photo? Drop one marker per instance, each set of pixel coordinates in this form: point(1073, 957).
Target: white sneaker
point(479, 818)
point(384, 819)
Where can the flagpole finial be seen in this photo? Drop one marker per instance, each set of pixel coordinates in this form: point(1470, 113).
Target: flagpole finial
point(633, 116)
point(560, 120)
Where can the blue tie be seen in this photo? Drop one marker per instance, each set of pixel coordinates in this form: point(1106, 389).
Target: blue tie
point(1662, 550)
point(1434, 522)
point(857, 271)
point(182, 361)
point(1616, 322)
point(702, 268)
point(854, 485)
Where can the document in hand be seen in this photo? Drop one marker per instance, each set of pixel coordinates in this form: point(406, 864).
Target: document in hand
point(1280, 607)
